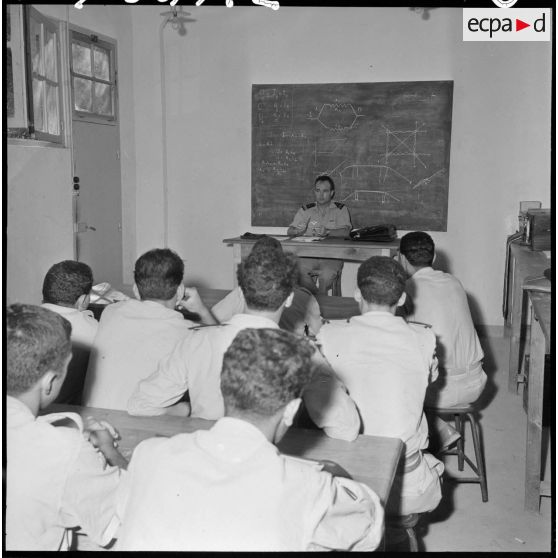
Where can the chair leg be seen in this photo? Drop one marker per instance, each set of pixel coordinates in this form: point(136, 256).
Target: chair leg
point(459, 426)
point(475, 431)
point(413, 543)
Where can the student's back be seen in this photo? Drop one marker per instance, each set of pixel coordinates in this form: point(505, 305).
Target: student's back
point(133, 337)
point(228, 488)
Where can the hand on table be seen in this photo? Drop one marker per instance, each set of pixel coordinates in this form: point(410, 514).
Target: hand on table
point(100, 433)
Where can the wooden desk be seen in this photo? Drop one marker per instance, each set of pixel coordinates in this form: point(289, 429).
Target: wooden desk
point(524, 263)
point(539, 345)
point(335, 248)
point(372, 460)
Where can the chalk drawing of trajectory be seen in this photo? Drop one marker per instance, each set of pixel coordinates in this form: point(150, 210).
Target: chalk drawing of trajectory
point(403, 143)
point(384, 196)
point(337, 117)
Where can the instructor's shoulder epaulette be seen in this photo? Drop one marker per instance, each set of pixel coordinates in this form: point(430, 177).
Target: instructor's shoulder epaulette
point(339, 205)
point(309, 206)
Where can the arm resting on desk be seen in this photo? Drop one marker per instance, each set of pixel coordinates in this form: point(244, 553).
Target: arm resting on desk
point(158, 393)
point(328, 403)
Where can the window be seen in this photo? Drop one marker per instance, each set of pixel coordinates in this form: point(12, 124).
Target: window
point(43, 75)
point(16, 109)
point(93, 77)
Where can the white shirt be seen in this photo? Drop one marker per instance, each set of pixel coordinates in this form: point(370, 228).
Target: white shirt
point(133, 336)
point(386, 365)
point(55, 481)
point(229, 489)
point(304, 310)
point(440, 300)
point(195, 366)
point(84, 325)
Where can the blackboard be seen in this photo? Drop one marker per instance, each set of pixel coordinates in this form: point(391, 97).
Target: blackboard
point(386, 146)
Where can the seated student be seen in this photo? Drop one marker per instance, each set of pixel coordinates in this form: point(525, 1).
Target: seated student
point(266, 278)
point(135, 334)
point(302, 316)
point(66, 288)
point(56, 480)
point(386, 365)
point(439, 300)
point(228, 488)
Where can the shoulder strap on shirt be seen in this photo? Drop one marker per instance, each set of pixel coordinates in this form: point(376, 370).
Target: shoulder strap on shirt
point(339, 205)
point(309, 206)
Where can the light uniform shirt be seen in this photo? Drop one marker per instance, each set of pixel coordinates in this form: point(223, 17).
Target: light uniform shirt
point(304, 310)
point(310, 217)
point(195, 366)
point(386, 365)
point(55, 481)
point(133, 336)
point(440, 300)
point(229, 489)
point(84, 325)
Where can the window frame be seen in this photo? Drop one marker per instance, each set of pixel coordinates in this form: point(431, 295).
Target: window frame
point(82, 36)
point(16, 44)
point(52, 26)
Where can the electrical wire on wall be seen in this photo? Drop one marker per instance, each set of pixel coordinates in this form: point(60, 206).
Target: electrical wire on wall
point(177, 19)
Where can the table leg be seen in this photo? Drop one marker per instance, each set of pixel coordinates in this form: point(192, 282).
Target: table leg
point(534, 417)
point(237, 258)
point(517, 306)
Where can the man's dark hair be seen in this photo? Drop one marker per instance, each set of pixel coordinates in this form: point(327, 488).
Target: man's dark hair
point(267, 276)
point(264, 369)
point(381, 280)
point(418, 248)
point(158, 273)
point(37, 340)
point(325, 178)
point(66, 281)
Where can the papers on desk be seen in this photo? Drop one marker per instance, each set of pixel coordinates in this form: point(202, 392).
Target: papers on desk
point(307, 238)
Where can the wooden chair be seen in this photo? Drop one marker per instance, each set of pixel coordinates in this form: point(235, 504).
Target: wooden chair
point(460, 415)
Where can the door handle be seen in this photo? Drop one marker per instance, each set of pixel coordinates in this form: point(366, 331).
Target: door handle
point(84, 227)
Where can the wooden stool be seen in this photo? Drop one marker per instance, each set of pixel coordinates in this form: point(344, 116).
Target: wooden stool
point(460, 416)
point(408, 524)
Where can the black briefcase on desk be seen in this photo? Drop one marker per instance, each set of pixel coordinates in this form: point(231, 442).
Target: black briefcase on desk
point(377, 233)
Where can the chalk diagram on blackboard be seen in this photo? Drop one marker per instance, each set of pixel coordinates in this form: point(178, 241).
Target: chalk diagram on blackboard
point(386, 145)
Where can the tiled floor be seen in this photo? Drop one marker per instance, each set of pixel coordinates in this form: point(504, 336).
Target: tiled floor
point(462, 522)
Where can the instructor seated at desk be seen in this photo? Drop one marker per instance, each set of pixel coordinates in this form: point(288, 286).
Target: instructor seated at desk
point(322, 218)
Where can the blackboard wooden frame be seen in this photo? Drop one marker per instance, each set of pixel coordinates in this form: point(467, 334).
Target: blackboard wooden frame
point(385, 144)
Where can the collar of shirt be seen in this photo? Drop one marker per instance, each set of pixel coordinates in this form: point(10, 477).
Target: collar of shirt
point(17, 413)
point(146, 308)
point(233, 440)
point(429, 270)
point(252, 320)
point(65, 310)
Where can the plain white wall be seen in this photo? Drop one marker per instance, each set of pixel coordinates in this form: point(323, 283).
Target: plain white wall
point(500, 152)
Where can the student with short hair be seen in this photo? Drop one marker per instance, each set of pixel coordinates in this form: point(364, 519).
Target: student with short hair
point(135, 334)
point(302, 316)
point(267, 279)
point(55, 479)
point(66, 289)
point(439, 299)
point(386, 365)
point(228, 488)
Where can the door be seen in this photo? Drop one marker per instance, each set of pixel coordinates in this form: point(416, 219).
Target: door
point(96, 156)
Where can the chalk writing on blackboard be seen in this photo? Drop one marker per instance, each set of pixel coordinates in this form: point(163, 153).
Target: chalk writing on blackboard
point(386, 145)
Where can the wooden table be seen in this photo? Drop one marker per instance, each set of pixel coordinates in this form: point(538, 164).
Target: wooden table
point(539, 345)
point(372, 460)
point(524, 263)
point(335, 248)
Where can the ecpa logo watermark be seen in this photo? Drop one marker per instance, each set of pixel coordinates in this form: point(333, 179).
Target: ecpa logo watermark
point(517, 24)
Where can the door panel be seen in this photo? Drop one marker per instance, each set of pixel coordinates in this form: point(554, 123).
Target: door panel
point(99, 203)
